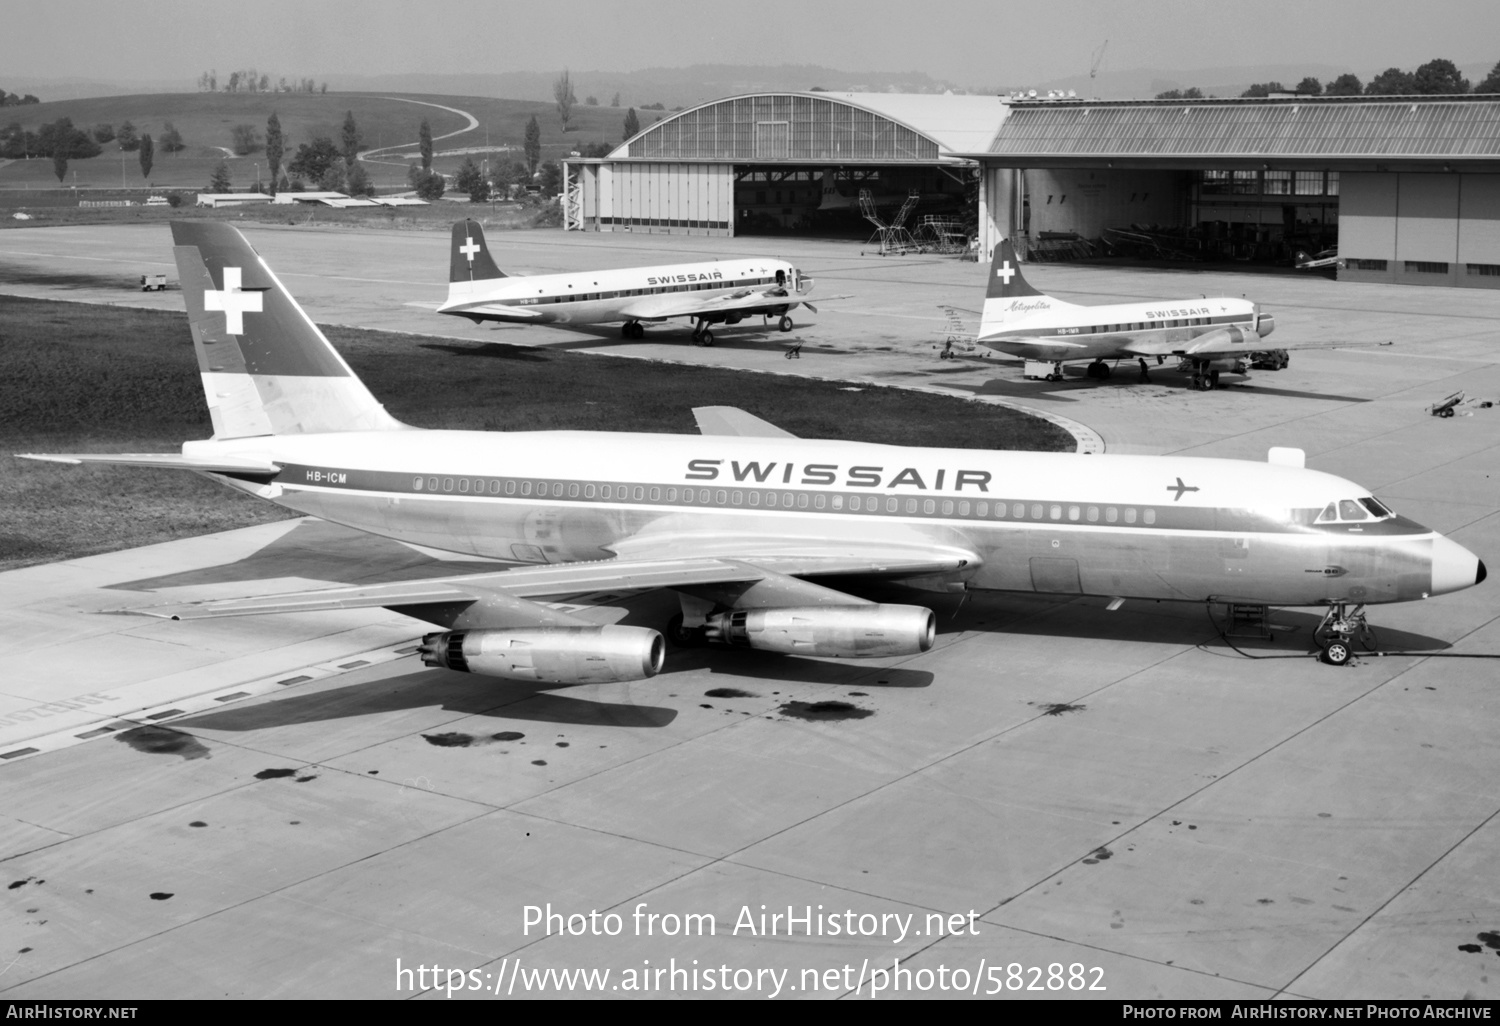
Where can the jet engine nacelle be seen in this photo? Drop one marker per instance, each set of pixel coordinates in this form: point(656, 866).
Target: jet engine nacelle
point(556, 655)
point(859, 632)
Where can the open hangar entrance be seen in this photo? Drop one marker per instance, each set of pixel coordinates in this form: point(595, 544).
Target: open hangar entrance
point(784, 163)
point(1407, 189)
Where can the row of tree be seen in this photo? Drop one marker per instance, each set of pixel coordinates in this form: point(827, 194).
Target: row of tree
point(249, 81)
point(16, 99)
point(1439, 77)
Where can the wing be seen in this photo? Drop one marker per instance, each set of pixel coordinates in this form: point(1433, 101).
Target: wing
point(505, 596)
point(730, 420)
point(684, 304)
point(1227, 341)
point(241, 467)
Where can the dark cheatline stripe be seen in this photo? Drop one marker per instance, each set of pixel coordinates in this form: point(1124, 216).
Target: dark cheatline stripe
point(835, 502)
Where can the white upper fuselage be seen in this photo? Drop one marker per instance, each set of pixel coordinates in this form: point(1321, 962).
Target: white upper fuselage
point(616, 294)
point(1134, 526)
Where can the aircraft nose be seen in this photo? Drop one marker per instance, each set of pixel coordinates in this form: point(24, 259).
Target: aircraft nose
point(1454, 567)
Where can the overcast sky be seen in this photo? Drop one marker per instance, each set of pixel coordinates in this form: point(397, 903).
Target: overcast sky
point(970, 42)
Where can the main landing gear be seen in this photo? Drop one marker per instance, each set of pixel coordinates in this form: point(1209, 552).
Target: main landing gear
point(685, 637)
point(785, 324)
point(702, 336)
point(1098, 369)
point(1336, 633)
point(1204, 380)
point(632, 329)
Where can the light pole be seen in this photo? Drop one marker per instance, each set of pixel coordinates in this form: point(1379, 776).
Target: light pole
point(257, 176)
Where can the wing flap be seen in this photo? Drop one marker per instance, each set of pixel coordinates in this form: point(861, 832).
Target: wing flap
point(731, 420)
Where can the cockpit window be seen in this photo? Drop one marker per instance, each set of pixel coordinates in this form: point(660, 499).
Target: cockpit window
point(1351, 510)
point(1354, 511)
point(1330, 513)
point(1378, 508)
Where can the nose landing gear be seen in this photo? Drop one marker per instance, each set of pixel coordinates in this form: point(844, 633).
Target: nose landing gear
point(1335, 635)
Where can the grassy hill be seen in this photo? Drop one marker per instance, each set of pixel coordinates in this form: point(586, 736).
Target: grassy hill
point(206, 121)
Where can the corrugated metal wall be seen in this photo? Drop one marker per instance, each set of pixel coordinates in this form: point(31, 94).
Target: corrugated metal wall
point(681, 199)
point(1420, 229)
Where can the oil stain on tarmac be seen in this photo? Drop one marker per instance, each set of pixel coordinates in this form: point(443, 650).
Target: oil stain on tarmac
point(824, 711)
point(161, 741)
point(729, 693)
point(454, 739)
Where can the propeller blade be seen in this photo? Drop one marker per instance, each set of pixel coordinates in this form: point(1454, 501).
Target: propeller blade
point(809, 306)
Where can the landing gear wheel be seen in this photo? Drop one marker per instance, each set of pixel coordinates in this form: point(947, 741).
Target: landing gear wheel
point(785, 324)
point(1197, 382)
point(1213, 379)
point(1337, 652)
point(685, 637)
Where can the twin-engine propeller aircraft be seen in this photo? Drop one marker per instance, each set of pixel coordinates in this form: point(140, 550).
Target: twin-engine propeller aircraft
point(744, 522)
point(711, 292)
point(1206, 335)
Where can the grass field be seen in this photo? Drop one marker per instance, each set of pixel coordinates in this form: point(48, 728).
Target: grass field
point(82, 378)
point(207, 119)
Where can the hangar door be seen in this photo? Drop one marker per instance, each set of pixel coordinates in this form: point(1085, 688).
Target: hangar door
point(676, 198)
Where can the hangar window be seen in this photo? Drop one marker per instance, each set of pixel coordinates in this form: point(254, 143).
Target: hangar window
point(1426, 267)
point(1488, 269)
point(1367, 265)
point(1333, 184)
point(1246, 183)
point(1215, 182)
point(1278, 183)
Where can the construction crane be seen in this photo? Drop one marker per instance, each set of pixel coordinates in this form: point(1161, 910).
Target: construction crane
point(1098, 59)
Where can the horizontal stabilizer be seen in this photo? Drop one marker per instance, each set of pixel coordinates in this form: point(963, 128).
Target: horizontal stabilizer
point(165, 461)
point(731, 420)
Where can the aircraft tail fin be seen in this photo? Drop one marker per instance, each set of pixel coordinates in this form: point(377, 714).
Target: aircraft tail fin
point(469, 257)
point(265, 366)
point(1006, 279)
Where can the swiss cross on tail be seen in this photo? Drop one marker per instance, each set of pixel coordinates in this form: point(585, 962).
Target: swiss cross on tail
point(1006, 279)
point(469, 258)
point(233, 302)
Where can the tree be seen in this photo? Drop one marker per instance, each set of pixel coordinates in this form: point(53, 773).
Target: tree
point(60, 164)
point(1439, 77)
point(424, 143)
point(350, 138)
point(591, 101)
point(1345, 85)
point(103, 133)
point(323, 88)
point(551, 181)
point(314, 159)
point(246, 139)
point(1390, 82)
point(616, 101)
point(533, 144)
point(1491, 83)
point(127, 138)
point(1192, 93)
point(1309, 86)
point(171, 139)
point(632, 123)
point(471, 180)
point(562, 91)
point(430, 185)
point(506, 174)
point(359, 182)
point(335, 177)
point(146, 156)
point(1264, 89)
point(220, 180)
point(274, 150)
point(595, 149)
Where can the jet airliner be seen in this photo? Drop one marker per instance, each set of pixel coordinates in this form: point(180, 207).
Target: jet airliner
point(1207, 335)
point(710, 292)
point(748, 525)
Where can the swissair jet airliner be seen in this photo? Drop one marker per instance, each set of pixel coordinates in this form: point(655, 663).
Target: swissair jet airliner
point(1208, 335)
point(747, 524)
point(710, 292)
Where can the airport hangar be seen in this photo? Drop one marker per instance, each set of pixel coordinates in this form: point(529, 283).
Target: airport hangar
point(1407, 188)
point(757, 162)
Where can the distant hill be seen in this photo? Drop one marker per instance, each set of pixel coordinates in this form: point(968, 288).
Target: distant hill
point(1144, 83)
point(207, 119)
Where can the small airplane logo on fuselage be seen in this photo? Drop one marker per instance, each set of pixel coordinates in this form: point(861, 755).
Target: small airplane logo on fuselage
point(1179, 488)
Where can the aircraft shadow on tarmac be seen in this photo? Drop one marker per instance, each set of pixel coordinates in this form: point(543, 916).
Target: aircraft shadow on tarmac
point(16, 274)
point(1059, 391)
point(461, 693)
point(767, 339)
point(318, 550)
point(782, 669)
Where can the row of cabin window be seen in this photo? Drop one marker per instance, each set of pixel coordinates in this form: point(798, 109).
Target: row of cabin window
point(791, 500)
point(581, 297)
point(1182, 322)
